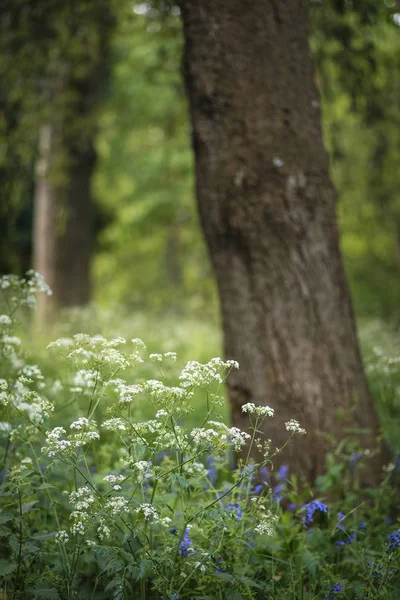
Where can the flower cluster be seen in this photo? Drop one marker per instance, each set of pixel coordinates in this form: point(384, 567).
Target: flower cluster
point(261, 411)
point(393, 541)
point(196, 374)
point(311, 508)
point(294, 426)
point(335, 589)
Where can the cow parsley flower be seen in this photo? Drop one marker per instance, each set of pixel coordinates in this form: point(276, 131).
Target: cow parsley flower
point(117, 506)
point(114, 481)
point(56, 442)
point(294, 426)
point(266, 523)
point(148, 512)
point(262, 411)
point(61, 537)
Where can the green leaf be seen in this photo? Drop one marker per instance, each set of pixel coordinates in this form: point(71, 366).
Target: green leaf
point(4, 518)
point(180, 480)
point(224, 576)
point(6, 567)
point(233, 595)
point(46, 486)
point(43, 590)
point(28, 506)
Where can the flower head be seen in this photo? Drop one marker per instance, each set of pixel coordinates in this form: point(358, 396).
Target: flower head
point(311, 508)
point(294, 426)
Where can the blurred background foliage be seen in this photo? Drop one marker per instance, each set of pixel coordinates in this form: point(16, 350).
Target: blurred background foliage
point(149, 252)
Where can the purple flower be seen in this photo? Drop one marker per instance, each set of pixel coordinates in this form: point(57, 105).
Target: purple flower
point(351, 537)
point(341, 517)
point(212, 470)
point(355, 457)
point(277, 492)
point(311, 508)
point(185, 544)
point(335, 589)
point(283, 472)
point(292, 506)
point(265, 474)
point(339, 543)
point(235, 507)
point(258, 489)
point(394, 541)
point(362, 525)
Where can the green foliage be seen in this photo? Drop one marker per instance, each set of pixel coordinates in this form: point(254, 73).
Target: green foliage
point(356, 46)
point(144, 180)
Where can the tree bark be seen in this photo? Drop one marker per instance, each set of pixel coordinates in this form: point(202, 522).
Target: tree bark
point(267, 207)
point(63, 226)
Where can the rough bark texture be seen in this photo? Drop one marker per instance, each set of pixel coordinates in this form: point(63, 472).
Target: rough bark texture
point(267, 207)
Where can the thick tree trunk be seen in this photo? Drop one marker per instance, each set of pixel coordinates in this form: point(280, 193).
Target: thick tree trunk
point(267, 207)
point(63, 226)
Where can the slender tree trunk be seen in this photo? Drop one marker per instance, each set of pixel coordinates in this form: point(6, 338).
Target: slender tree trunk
point(267, 207)
point(63, 226)
point(44, 220)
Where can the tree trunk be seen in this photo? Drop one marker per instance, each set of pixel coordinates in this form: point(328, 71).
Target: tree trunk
point(63, 226)
point(267, 206)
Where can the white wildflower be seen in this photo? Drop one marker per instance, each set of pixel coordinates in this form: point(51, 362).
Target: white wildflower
point(114, 424)
point(5, 320)
point(156, 357)
point(117, 506)
point(262, 411)
point(236, 437)
point(103, 531)
point(82, 498)
point(56, 442)
point(114, 481)
point(294, 426)
point(148, 512)
point(61, 537)
point(266, 524)
point(161, 413)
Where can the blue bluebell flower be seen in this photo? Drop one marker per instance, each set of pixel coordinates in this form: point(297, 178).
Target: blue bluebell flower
point(277, 492)
point(235, 507)
point(283, 472)
point(335, 589)
point(339, 543)
point(362, 525)
point(265, 474)
point(258, 489)
point(341, 518)
point(185, 544)
point(212, 469)
point(351, 537)
point(292, 506)
point(355, 457)
point(311, 508)
point(394, 541)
